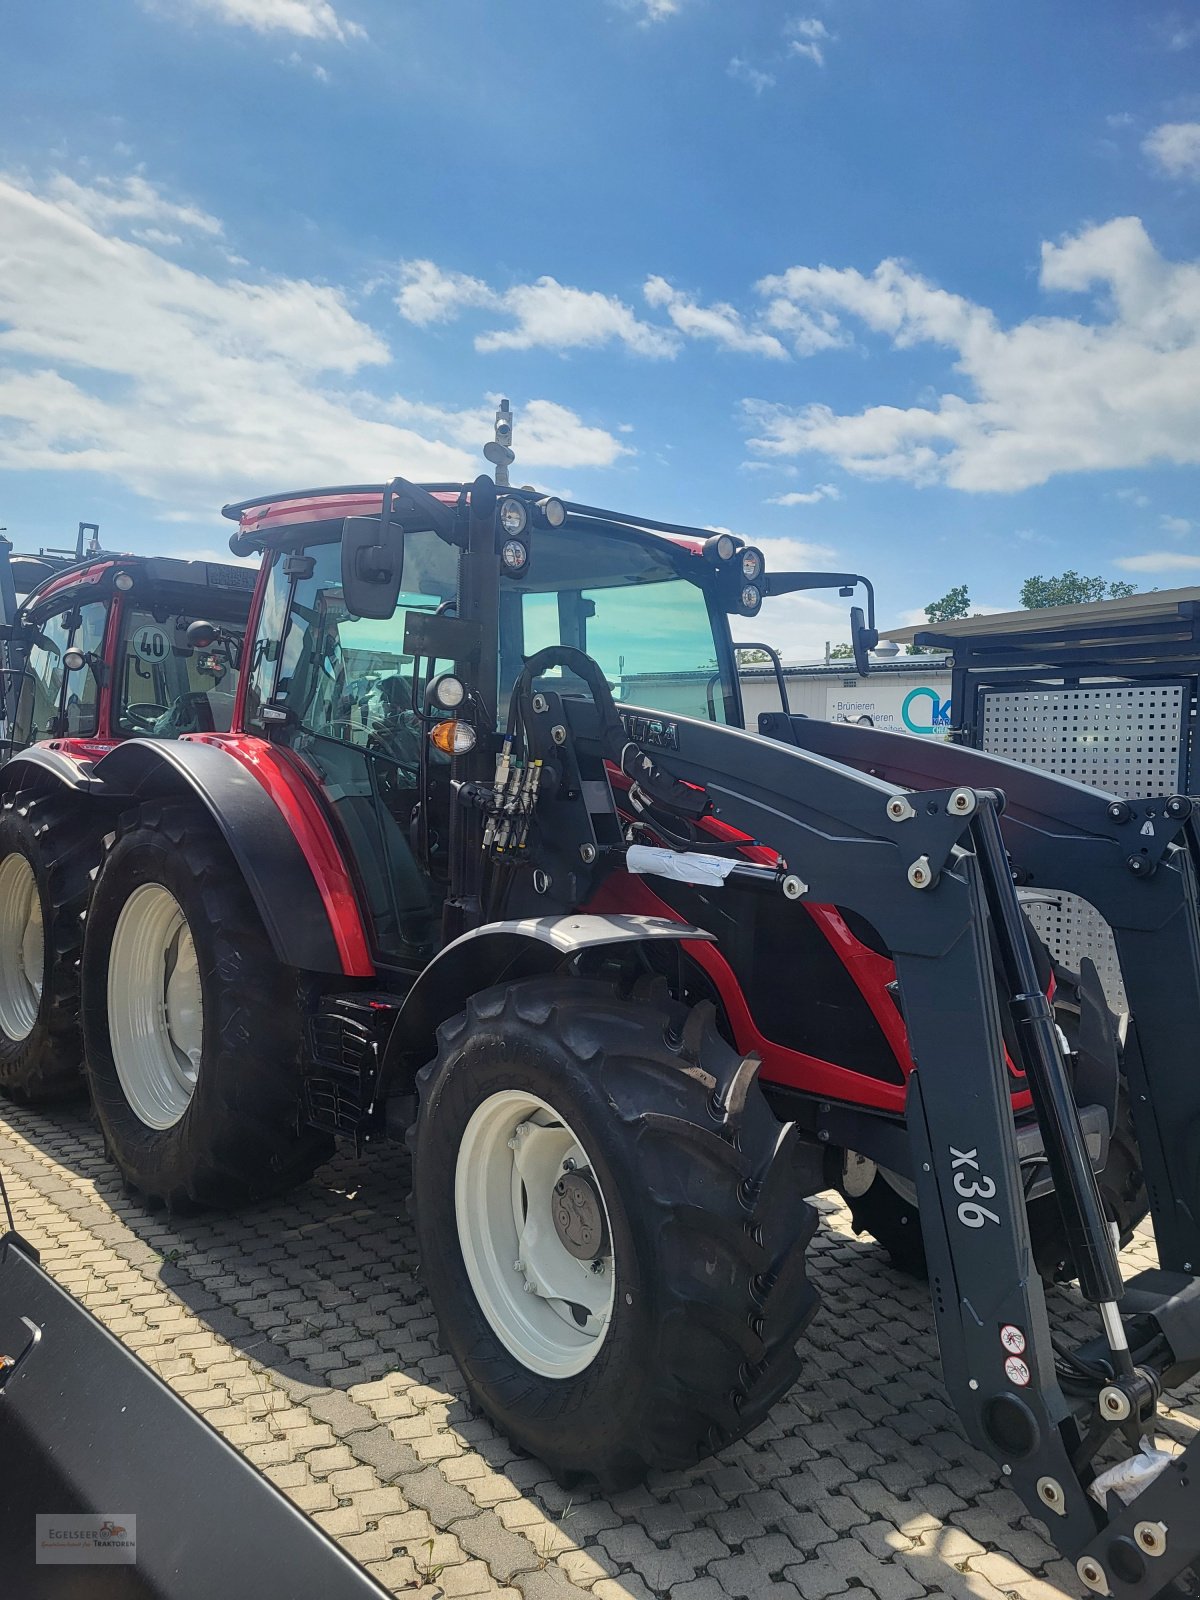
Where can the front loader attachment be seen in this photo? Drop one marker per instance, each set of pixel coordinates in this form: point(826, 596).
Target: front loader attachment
point(111, 1487)
point(925, 841)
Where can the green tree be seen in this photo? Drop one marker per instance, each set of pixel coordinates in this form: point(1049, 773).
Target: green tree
point(954, 603)
point(1071, 588)
point(841, 652)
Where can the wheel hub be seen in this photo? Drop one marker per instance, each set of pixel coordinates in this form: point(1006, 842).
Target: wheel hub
point(533, 1227)
point(579, 1216)
point(22, 947)
point(155, 1006)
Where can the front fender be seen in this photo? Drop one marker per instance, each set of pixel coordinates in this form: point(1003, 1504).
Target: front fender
point(506, 952)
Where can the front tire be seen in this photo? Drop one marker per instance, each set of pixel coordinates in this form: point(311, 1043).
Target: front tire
point(47, 846)
point(664, 1305)
point(192, 1027)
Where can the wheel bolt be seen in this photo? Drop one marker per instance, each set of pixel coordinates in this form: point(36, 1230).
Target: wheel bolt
point(529, 1288)
point(518, 1266)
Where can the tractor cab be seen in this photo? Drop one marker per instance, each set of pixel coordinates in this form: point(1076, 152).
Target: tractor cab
point(109, 648)
point(366, 701)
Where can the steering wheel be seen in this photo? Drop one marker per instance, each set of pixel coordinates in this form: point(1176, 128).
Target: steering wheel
point(146, 713)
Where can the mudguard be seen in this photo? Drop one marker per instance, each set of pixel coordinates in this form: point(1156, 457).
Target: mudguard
point(42, 765)
point(506, 952)
point(87, 1431)
point(266, 845)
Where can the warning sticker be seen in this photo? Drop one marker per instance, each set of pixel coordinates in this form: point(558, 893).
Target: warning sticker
point(1017, 1371)
point(1012, 1339)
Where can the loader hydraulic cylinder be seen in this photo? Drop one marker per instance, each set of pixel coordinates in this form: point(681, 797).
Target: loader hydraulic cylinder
point(1074, 1180)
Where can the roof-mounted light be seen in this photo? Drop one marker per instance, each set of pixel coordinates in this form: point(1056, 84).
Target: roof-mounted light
point(751, 600)
point(753, 564)
point(552, 511)
point(721, 548)
point(123, 581)
point(514, 553)
point(514, 518)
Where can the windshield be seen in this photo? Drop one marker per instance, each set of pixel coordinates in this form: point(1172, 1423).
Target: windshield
point(164, 686)
point(624, 603)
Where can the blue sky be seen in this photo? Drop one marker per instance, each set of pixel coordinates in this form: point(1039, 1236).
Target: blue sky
point(909, 287)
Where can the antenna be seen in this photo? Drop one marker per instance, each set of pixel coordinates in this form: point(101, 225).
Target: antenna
point(499, 450)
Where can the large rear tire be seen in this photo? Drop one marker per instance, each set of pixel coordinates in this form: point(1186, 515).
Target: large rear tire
point(48, 844)
point(192, 1027)
point(656, 1319)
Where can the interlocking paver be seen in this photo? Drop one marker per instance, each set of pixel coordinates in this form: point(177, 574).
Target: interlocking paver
point(301, 1331)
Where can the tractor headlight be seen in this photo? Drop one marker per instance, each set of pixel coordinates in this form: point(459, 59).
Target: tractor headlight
point(448, 691)
point(123, 581)
point(554, 512)
point(721, 548)
point(514, 518)
point(753, 564)
point(751, 599)
point(515, 555)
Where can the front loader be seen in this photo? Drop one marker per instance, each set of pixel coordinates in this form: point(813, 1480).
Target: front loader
point(635, 984)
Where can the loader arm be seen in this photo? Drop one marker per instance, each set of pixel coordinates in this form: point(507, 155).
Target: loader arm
point(1135, 861)
point(928, 871)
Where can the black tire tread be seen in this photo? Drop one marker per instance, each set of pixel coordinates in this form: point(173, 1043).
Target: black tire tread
point(62, 836)
point(711, 1168)
point(247, 1146)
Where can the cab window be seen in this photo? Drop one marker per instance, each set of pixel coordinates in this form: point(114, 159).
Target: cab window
point(165, 686)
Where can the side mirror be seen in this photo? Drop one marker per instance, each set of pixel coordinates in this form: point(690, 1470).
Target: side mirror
point(372, 566)
point(201, 635)
point(862, 640)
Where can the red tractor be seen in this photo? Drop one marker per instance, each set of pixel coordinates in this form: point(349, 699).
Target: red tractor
point(487, 861)
point(96, 651)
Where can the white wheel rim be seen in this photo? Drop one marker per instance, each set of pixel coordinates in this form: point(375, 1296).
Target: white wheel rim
point(155, 1006)
point(22, 947)
point(546, 1306)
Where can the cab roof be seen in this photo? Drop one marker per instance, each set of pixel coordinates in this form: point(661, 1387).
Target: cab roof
point(268, 519)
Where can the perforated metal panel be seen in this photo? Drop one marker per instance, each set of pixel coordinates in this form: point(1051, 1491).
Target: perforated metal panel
point(1125, 738)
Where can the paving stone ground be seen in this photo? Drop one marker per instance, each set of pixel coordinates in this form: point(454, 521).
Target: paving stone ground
point(300, 1331)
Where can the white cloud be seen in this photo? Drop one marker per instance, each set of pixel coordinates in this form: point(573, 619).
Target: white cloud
point(649, 11)
point(191, 390)
point(547, 435)
point(109, 203)
point(719, 322)
point(427, 294)
point(1159, 561)
point(554, 316)
point(1179, 526)
point(1175, 148)
point(1135, 497)
point(807, 497)
point(743, 72)
point(807, 38)
point(546, 314)
point(313, 68)
point(1047, 396)
point(306, 19)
